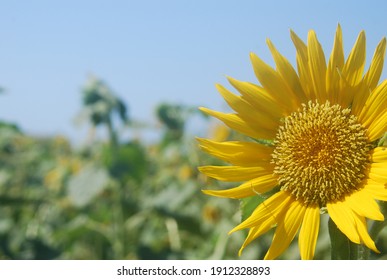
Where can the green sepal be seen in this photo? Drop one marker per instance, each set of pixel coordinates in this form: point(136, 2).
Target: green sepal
point(249, 204)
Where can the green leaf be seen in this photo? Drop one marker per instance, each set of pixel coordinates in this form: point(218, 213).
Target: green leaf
point(249, 204)
point(172, 116)
point(100, 102)
point(87, 184)
point(128, 161)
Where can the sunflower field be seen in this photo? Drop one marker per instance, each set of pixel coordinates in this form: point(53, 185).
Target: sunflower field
point(124, 199)
point(111, 198)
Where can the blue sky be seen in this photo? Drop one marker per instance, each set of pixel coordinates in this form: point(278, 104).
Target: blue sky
point(152, 51)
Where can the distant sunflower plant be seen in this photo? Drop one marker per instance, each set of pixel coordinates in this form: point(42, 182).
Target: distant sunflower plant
point(320, 132)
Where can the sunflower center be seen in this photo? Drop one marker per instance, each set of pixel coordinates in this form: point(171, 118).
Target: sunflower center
point(321, 153)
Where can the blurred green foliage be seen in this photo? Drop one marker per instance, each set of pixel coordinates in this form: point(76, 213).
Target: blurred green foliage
point(116, 198)
point(111, 198)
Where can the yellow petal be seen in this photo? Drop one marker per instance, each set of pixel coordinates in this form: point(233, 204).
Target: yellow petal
point(351, 224)
point(364, 205)
point(376, 190)
point(375, 105)
point(288, 74)
point(309, 232)
point(378, 172)
point(317, 66)
point(246, 111)
point(365, 238)
point(370, 80)
point(354, 66)
point(358, 94)
point(273, 84)
point(378, 127)
point(375, 70)
point(237, 152)
point(271, 208)
point(253, 187)
point(235, 173)
point(343, 217)
point(257, 97)
point(379, 154)
point(235, 122)
point(255, 232)
point(335, 65)
point(286, 230)
point(303, 66)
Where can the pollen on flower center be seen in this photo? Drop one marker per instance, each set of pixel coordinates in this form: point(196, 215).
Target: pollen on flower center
point(321, 153)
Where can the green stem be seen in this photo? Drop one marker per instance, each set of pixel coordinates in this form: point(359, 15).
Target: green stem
point(339, 243)
point(118, 227)
point(359, 252)
point(112, 133)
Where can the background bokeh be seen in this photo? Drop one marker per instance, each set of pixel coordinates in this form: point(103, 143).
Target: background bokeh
point(98, 118)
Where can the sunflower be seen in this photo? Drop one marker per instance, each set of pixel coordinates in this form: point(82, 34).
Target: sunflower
point(317, 130)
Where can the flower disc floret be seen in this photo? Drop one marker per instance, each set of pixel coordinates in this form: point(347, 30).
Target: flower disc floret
point(321, 153)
